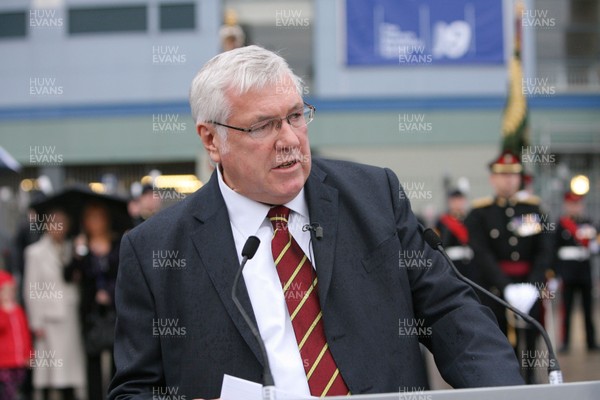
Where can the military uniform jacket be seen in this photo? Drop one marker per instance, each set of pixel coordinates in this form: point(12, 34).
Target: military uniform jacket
point(510, 240)
point(571, 250)
point(455, 238)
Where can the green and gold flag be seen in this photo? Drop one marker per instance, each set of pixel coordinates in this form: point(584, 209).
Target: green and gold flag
point(515, 132)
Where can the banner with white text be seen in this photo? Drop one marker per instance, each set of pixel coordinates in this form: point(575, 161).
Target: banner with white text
point(417, 32)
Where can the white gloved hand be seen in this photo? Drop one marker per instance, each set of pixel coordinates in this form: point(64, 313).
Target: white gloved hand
point(522, 296)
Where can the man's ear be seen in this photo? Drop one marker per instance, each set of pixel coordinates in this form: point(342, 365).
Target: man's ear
point(211, 141)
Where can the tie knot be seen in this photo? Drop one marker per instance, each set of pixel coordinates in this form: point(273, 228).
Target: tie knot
point(279, 217)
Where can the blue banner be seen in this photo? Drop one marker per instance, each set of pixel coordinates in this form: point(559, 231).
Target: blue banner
point(417, 32)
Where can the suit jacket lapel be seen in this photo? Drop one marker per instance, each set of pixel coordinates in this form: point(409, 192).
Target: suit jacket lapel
point(218, 256)
point(322, 202)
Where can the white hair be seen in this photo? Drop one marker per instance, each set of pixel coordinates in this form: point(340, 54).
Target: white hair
point(241, 70)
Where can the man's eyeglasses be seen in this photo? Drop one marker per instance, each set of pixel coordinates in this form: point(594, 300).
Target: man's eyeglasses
point(263, 129)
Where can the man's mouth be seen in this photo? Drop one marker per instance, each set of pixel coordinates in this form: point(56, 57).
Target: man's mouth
point(287, 164)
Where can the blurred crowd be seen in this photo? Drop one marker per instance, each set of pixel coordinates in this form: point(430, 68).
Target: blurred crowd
point(58, 275)
point(57, 285)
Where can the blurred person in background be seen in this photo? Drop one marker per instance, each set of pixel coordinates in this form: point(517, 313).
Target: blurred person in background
point(94, 267)
point(576, 239)
point(148, 204)
point(455, 235)
point(15, 341)
point(6, 250)
point(133, 208)
point(52, 309)
point(231, 34)
point(511, 248)
point(26, 234)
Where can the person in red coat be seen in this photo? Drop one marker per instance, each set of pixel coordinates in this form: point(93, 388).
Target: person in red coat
point(15, 351)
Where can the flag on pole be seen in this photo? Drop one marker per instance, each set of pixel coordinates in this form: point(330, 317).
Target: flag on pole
point(515, 131)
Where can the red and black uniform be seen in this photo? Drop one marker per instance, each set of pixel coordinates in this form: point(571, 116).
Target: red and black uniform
point(455, 238)
point(575, 241)
point(511, 244)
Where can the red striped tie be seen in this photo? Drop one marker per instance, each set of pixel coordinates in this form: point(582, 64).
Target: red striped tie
point(299, 282)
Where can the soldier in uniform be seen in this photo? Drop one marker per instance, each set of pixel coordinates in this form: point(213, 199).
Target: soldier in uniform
point(507, 234)
point(454, 234)
point(575, 241)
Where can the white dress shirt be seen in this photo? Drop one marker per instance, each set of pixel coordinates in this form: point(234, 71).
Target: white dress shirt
point(249, 218)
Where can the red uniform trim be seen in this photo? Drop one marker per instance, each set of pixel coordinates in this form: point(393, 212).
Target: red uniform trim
point(457, 228)
point(571, 226)
point(515, 268)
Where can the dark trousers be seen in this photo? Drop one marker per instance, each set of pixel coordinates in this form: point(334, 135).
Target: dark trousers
point(585, 290)
point(10, 381)
point(65, 393)
point(96, 388)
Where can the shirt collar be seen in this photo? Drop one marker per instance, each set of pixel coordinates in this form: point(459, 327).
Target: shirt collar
point(247, 215)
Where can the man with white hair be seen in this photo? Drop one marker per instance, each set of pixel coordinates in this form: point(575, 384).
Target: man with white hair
point(338, 287)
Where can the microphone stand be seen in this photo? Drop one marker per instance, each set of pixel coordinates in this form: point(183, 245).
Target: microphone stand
point(268, 387)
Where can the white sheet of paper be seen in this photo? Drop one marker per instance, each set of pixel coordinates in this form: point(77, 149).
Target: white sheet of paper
point(236, 389)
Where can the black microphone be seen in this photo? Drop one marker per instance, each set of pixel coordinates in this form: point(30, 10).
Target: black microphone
point(554, 373)
point(316, 228)
point(248, 252)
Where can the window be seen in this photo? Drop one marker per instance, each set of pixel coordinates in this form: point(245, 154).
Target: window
point(568, 43)
point(108, 19)
point(13, 24)
point(177, 16)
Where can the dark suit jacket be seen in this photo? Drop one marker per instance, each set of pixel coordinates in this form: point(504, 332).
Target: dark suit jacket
point(366, 296)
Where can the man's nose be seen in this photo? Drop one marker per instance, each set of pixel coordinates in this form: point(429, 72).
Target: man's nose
point(287, 135)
